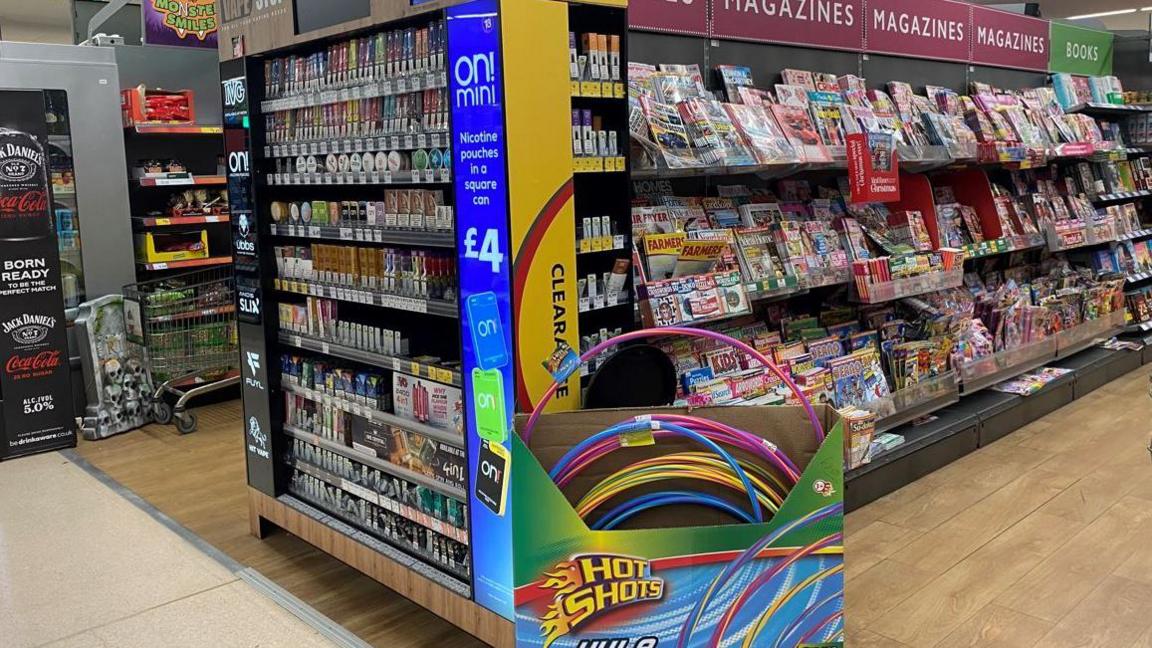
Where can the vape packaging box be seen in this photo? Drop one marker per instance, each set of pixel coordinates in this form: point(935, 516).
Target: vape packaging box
point(590, 43)
point(577, 135)
point(425, 401)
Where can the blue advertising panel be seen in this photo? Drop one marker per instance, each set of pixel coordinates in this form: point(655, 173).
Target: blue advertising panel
point(481, 181)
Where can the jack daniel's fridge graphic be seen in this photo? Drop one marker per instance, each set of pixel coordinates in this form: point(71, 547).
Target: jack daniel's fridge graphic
point(35, 385)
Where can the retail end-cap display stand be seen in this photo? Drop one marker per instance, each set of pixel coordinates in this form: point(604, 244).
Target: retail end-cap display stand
point(438, 206)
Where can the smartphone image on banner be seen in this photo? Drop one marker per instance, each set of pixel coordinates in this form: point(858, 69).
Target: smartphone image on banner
point(492, 476)
point(487, 334)
point(488, 405)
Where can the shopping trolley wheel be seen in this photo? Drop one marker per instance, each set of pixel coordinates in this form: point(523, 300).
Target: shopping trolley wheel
point(185, 423)
point(162, 412)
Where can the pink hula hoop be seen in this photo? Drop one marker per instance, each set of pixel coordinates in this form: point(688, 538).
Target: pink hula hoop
point(686, 332)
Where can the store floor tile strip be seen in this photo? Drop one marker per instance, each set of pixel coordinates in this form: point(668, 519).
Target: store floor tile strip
point(326, 627)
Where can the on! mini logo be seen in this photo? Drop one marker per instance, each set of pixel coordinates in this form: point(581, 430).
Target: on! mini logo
point(475, 78)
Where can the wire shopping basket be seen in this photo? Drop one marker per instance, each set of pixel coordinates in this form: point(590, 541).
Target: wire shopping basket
point(187, 326)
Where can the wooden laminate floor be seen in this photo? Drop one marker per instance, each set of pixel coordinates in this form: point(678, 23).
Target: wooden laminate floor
point(1043, 539)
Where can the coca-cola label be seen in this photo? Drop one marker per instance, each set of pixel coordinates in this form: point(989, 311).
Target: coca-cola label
point(29, 330)
point(32, 201)
point(36, 365)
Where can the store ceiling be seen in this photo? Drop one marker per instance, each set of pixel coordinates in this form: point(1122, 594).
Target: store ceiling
point(1065, 8)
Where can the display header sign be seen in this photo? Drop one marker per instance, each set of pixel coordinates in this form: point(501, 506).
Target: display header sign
point(831, 24)
point(946, 30)
point(937, 30)
point(673, 17)
point(1010, 40)
point(1080, 51)
point(183, 23)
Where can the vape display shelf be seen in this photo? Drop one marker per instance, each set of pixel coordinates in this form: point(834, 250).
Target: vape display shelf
point(459, 535)
point(190, 263)
point(605, 244)
point(371, 297)
point(355, 90)
point(1123, 195)
point(598, 164)
point(587, 306)
point(372, 414)
point(174, 129)
point(183, 180)
point(406, 365)
point(887, 291)
point(913, 402)
point(1138, 277)
point(599, 90)
point(380, 142)
point(366, 235)
point(426, 176)
point(165, 221)
point(442, 573)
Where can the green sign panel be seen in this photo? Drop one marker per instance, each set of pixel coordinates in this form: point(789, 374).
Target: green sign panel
point(1080, 51)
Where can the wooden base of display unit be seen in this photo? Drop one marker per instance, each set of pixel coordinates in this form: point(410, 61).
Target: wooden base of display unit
point(267, 513)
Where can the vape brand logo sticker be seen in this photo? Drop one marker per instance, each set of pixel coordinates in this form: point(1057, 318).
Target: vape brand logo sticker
point(250, 302)
point(253, 381)
point(590, 586)
point(19, 163)
point(244, 243)
point(235, 92)
point(37, 365)
point(28, 330)
point(259, 444)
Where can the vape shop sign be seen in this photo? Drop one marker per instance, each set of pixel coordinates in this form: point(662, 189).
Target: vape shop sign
point(34, 372)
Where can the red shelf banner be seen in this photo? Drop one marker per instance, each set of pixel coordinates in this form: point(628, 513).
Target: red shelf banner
point(672, 16)
point(935, 30)
point(829, 24)
point(1009, 40)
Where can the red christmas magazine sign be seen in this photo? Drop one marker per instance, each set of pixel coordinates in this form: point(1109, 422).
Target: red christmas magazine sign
point(873, 168)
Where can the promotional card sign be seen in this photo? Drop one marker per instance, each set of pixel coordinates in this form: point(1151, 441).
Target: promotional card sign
point(873, 168)
point(35, 381)
point(476, 88)
point(182, 23)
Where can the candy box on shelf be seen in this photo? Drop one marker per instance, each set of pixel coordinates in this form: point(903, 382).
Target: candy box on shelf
point(140, 105)
point(156, 247)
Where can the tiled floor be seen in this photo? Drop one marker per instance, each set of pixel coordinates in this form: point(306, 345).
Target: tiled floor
point(81, 567)
point(1039, 540)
